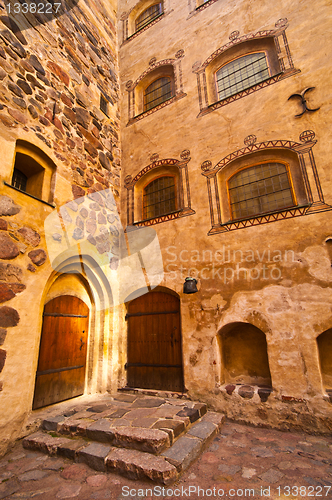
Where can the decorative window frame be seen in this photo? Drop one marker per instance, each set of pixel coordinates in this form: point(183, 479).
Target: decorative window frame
point(156, 69)
point(206, 72)
point(158, 168)
point(128, 18)
point(309, 175)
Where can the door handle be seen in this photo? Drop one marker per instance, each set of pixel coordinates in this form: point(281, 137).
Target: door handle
point(82, 343)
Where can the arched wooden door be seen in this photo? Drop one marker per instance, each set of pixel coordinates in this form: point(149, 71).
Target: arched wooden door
point(63, 347)
point(154, 343)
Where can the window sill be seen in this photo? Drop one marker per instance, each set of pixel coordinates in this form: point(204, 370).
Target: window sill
point(30, 195)
point(156, 108)
point(265, 83)
point(204, 5)
point(259, 220)
point(163, 218)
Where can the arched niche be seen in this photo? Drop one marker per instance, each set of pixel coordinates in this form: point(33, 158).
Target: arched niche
point(244, 355)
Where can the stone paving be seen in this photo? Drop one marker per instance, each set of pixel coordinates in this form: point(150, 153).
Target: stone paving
point(136, 435)
point(241, 461)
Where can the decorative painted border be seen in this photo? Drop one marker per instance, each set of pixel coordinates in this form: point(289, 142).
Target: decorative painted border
point(183, 187)
point(259, 220)
point(156, 108)
point(243, 93)
point(145, 28)
point(309, 172)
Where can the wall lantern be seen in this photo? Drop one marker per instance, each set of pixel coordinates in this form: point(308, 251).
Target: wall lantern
point(189, 285)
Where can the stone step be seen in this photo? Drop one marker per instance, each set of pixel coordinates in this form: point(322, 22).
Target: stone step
point(132, 463)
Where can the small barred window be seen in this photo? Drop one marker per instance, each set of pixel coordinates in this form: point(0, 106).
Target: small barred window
point(19, 180)
point(241, 74)
point(159, 197)
point(259, 189)
point(103, 104)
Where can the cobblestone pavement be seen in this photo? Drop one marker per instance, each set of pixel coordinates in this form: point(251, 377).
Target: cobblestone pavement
point(240, 462)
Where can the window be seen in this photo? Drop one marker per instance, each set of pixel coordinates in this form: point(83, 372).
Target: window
point(241, 74)
point(259, 189)
point(33, 172)
point(160, 192)
point(28, 175)
point(157, 92)
point(103, 104)
point(148, 16)
point(19, 180)
point(243, 65)
point(159, 197)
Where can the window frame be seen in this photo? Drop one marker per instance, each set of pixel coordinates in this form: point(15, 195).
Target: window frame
point(161, 12)
point(170, 167)
point(42, 181)
point(273, 42)
point(171, 68)
point(160, 77)
point(176, 198)
point(235, 59)
point(258, 214)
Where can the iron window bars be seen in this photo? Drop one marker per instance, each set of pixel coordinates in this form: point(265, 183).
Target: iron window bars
point(157, 92)
point(241, 74)
point(259, 189)
point(19, 180)
point(159, 197)
point(148, 15)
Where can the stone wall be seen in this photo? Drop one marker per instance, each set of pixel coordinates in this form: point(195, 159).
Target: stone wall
point(270, 272)
point(52, 76)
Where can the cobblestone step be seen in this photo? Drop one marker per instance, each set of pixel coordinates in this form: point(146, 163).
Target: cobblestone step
point(145, 424)
point(164, 468)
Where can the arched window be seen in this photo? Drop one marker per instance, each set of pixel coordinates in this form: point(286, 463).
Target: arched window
point(148, 15)
point(260, 189)
point(157, 92)
point(159, 197)
point(243, 65)
point(33, 172)
point(241, 74)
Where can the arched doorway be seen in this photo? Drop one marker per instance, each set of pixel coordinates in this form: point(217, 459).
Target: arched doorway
point(154, 343)
point(63, 348)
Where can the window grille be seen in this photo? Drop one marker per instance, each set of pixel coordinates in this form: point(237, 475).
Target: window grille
point(241, 74)
point(19, 180)
point(148, 16)
point(259, 189)
point(159, 197)
point(158, 92)
point(103, 104)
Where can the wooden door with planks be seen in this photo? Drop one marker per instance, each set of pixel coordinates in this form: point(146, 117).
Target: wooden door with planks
point(62, 354)
point(154, 343)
